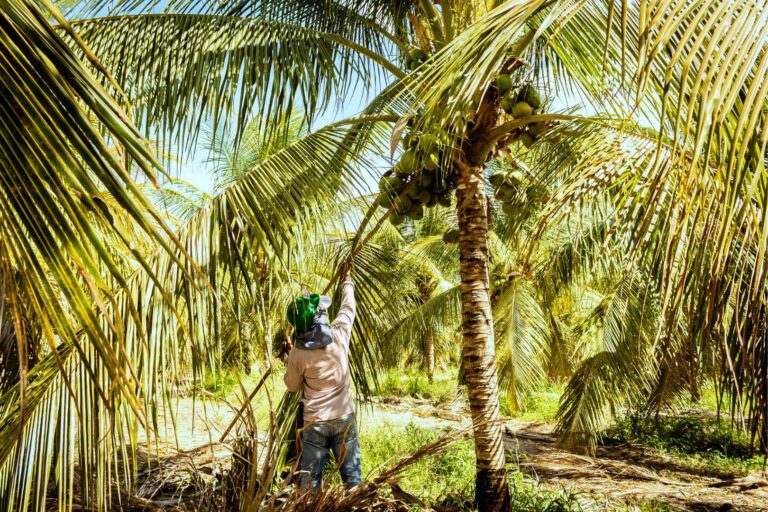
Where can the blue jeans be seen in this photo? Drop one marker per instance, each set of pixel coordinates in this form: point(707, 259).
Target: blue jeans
point(340, 436)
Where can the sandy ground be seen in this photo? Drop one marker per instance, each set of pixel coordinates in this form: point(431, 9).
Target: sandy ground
point(614, 477)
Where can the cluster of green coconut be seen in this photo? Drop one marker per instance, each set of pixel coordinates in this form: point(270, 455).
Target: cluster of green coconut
point(520, 103)
point(515, 193)
point(415, 58)
point(418, 174)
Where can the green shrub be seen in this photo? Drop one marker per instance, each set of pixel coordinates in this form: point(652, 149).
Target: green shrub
point(697, 440)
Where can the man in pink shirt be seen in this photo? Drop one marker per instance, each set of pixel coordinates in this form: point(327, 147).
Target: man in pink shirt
point(319, 364)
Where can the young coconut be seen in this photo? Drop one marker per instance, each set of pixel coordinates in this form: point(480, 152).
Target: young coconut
point(503, 83)
point(409, 162)
point(396, 219)
point(391, 185)
point(428, 143)
point(414, 192)
point(515, 178)
point(496, 180)
point(538, 129)
point(384, 200)
point(527, 139)
point(507, 103)
point(416, 211)
point(521, 109)
point(417, 55)
point(530, 96)
point(451, 236)
point(432, 162)
point(504, 192)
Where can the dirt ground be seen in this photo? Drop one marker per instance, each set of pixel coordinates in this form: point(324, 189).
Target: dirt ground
point(613, 478)
point(631, 474)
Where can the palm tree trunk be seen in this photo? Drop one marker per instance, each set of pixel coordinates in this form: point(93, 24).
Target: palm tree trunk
point(429, 354)
point(492, 492)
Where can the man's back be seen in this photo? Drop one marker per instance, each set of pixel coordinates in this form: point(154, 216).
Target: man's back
point(325, 371)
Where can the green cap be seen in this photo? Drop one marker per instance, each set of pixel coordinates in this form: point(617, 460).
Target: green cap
point(301, 312)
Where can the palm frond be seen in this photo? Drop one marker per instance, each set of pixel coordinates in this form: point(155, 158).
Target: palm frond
point(181, 70)
point(522, 341)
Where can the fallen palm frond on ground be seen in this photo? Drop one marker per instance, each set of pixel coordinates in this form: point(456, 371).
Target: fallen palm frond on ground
point(371, 495)
point(202, 480)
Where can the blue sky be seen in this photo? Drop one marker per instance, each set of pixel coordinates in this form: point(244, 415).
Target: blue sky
point(196, 171)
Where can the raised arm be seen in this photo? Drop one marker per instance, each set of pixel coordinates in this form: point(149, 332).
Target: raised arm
point(342, 324)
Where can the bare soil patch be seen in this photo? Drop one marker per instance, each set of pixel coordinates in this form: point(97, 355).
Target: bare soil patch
point(631, 474)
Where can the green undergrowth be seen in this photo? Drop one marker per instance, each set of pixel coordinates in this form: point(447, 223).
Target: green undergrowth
point(447, 479)
point(415, 384)
point(540, 405)
point(225, 384)
point(697, 441)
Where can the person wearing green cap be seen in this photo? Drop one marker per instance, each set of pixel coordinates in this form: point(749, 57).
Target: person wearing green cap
point(318, 364)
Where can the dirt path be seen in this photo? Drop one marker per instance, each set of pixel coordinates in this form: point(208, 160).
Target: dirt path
point(631, 474)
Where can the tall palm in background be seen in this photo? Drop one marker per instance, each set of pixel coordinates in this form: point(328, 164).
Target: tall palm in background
point(689, 197)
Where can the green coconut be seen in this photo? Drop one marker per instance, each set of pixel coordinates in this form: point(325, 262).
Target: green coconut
point(426, 179)
point(538, 129)
point(409, 162)
point(444, 199)
point(451, 236)
point(504, 83)
point(424, 197)
point(416, 211)
point(417, 55)
point(496, 180)
point(508, 208)
point(400, 173)
point(414, 192)
point(527, 139)
point(432, 201)
point(391, 185)
point(507, 104)
point(515, 178)
point(402, 204)
point(504, 192)
point(384, 200)
point(521, 109)
point(432, 162)
point(396, 219)
point(428, 143)
point(530, 96)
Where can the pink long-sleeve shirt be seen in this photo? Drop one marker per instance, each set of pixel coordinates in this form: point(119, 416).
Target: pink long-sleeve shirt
point(324, 372)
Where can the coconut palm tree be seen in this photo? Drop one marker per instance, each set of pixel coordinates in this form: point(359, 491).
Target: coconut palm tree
point(689, 193)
